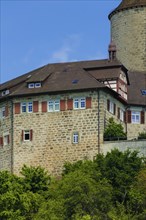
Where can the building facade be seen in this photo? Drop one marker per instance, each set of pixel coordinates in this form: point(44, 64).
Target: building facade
point(59, 112)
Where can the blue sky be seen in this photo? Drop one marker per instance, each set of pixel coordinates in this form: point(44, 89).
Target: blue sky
point(37, 32)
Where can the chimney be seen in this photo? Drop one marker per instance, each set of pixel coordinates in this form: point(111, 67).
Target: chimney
point(112, 51)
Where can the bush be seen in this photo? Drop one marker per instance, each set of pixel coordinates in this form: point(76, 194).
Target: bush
point(114, 131)
point(142, 135)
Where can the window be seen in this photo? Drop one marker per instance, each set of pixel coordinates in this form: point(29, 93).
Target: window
point(6, 139)
point(34, 85)
point(111, 107)
point(3, 112)
point(31, 85)
point(26, 107)
point(135, 117)
point(79, 103)
point(27, 135)
point(121, 115)
point(37, 85)
point(29, 106)
point(5, 92)
point(75, 137)
point(53, 105)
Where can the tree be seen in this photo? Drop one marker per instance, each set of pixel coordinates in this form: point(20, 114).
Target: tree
point(114, 131)
point(120, 168)
point(36, 179)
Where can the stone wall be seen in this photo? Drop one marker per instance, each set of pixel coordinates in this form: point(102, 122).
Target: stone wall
point(52, 142)
point(52, 132)
point(138, 145)
point(128, 31)
point(6, 128)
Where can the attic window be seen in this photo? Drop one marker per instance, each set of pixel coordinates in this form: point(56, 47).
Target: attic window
point(75, 81)
point(5, 92)
point(34, 85)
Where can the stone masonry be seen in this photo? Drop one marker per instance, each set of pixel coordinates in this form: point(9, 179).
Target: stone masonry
point(128, 32)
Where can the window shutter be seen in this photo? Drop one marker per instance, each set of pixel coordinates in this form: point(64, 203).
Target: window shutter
point(6, 111)
point(69, 104)
point(118, 113)
point(22, 135)
point(114, 108)
point(62, 105)
point(108, 104)
point(31, 134)
point(142, 117)
point(125, 117)
point(88, 102)
point(44, 106)
point(1, 141)
point(35, 106)
point(129, 116)
point(17, 108)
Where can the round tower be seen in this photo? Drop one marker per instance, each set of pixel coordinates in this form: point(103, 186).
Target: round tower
point(128, 32)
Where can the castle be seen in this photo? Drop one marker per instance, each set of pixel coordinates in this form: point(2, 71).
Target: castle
point(59, 112)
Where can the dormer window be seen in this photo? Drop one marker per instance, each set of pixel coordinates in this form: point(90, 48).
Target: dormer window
point(31, 85)
point(5, 92)
point(34, 85)
point(37, 85)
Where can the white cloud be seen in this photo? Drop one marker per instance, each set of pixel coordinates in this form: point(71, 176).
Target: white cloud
point(64, 53)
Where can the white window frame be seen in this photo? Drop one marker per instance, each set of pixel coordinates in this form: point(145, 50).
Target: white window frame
point(26, 132)
point(121, 115)
point(75, 137)
point(54, 105)
point(5, 92)
point(135, 117)
point(6, 139)
point(28, 107)
point(37, 85)
point(23, 105)
point(31, 85)
point(111, 107)
point(78, 102)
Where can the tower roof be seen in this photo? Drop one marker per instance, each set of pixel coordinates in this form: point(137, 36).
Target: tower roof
point(126, 4)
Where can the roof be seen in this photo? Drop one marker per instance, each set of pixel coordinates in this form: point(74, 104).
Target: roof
point(61, 77)
point(126, 4)
point(137, 83)
point(76, 76)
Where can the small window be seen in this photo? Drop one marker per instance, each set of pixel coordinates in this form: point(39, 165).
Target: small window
point(76, 103)
point(79, 103)
point(75, 137)
point(111, 107)
point(82, 103)
point(26, 107)
point(50, 106)
point(30, 107)
point(5, 92)
point(53, 105)
point(3, 110)
point(31, 85)
point(121, 115)
point(23, 107)
point(37, 85)
point(135, 117)
point(6, 139)
point(56, 105)
point(26, 135)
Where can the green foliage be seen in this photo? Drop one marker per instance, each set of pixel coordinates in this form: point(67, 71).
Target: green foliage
point(114, 131)
point(111, 187)
point(142, 135)
point(120, 169)
point(35, 179)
